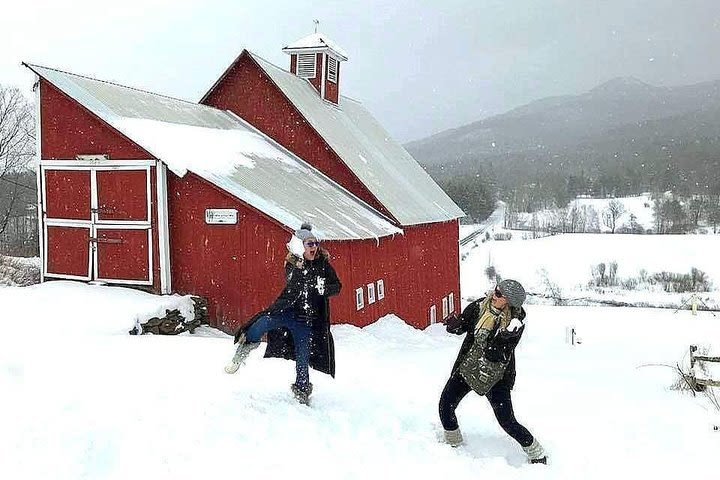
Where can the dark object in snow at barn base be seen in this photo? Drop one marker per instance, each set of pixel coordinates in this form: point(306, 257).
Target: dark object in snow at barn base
point(173, 323)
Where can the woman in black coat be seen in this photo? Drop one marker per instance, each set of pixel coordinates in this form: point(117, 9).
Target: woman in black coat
point(486, 364)
point(298, 322)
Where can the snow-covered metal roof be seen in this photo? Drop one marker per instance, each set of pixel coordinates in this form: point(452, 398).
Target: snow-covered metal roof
point(316, 41)
point(381, 164)
point(228, 152)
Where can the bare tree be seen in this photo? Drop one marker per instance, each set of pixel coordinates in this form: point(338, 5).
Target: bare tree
point(696, 208)
point(576, 219)
point(712, 212)
point(611, 214)
point(17, 145)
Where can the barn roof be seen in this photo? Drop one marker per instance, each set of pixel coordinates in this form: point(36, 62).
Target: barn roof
point(390, 173)
point(228, 152)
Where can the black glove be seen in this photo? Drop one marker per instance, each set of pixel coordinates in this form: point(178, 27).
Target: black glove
point(495, 352)
point(454, 325)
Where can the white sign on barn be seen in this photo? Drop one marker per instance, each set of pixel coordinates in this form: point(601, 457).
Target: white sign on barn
point(216, 216)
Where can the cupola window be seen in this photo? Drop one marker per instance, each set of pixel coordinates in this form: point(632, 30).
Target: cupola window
point(332, 69)
point(306, 65)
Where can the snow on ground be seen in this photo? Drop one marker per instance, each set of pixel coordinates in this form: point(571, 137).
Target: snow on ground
point(81, 399)
point(567, 261)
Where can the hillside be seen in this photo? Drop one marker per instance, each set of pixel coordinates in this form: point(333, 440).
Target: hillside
point(623, 127)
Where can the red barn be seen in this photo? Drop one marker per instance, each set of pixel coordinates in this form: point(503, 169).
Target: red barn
point(140, 189)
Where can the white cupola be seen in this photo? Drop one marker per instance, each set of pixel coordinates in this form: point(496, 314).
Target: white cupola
point(317, 59)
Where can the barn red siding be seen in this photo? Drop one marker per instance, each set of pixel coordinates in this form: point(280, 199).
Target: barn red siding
point(68, 129)
point(247, 91)
point(416, 268)
point(239, 268)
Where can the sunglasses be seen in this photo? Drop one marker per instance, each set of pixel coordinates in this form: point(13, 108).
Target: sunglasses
point(312, 244)
point(498, 293)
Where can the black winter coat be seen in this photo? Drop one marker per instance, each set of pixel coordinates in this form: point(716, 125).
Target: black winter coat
point(500, 347)
point(313, 308)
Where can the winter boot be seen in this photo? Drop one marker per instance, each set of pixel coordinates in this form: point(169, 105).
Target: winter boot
point(302, 393)
point(241, 354)
point(535, 453)
point(453, 438)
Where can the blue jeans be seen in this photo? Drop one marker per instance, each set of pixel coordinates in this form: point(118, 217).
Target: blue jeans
point(301, 333)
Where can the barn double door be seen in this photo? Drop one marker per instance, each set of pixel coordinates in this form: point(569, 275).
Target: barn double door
point(97, 222)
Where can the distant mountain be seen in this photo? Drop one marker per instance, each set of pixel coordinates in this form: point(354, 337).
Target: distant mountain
point(621, 126)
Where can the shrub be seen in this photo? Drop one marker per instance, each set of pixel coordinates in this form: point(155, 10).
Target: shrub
point(630, 283)
point(598, 275)
point(552, 289)
point(695, 281)
point(612, 274)
point(16, 272)
point(492, 274)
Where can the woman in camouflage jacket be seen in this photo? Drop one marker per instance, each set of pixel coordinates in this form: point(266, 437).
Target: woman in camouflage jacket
point(486, 363)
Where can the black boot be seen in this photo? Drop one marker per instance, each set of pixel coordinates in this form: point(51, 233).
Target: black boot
point(302, 392)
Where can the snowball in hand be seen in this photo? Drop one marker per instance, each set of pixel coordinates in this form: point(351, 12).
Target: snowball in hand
point(296, 246)
point(514, 325)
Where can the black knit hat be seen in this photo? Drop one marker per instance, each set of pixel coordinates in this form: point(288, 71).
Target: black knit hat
point(513, 292)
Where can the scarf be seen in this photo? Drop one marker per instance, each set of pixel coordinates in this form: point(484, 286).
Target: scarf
point(489, 317)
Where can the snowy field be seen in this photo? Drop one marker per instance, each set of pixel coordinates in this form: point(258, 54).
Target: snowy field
point(567, 261)
point(81, 399)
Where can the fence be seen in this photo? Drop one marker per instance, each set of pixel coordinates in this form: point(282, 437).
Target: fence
point(700, 384)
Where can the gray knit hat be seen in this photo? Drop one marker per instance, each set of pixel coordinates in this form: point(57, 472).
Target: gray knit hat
point(513, 292)
point(305, 232)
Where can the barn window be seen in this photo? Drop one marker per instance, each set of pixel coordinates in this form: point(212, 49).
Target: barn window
point(380, 289)
point(332, 69)
point(445, 311)
point(433, 314)
point(371, 293)
point(306, 65)
point(451, 301)
point(359, 298)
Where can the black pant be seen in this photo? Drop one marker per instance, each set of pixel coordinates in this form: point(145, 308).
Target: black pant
point(499, 398)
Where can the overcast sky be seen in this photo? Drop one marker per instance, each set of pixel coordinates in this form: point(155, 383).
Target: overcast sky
point(419, 66)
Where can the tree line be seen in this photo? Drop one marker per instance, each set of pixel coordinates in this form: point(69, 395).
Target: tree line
point(675, 209)
point(18, 187)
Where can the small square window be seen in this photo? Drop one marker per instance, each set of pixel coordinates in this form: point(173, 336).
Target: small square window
point(445, 307)
point(371, 293)
point(451, 301)
point(380, 289)
point(359, 298)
